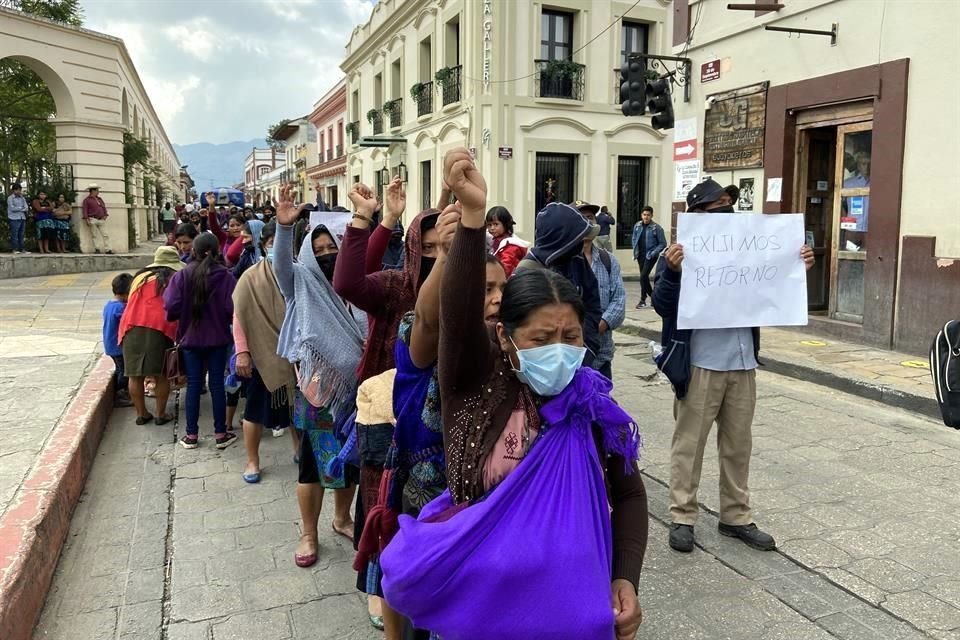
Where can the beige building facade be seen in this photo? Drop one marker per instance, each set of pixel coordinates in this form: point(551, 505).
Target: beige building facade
point(299, 138)
point(98, 96)
point(854, 127)
point(490, 75)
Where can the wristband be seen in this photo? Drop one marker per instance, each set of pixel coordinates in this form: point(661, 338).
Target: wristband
point(357, 216)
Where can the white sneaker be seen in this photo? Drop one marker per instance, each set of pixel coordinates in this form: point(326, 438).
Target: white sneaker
point(278, 433)
point(16, 253)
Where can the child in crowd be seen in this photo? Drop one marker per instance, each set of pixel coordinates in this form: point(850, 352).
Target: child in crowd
point(112, 313)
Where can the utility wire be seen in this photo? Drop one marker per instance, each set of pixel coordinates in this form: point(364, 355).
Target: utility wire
point(582, 47)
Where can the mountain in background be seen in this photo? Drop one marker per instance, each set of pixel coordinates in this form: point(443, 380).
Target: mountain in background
point(216, 165)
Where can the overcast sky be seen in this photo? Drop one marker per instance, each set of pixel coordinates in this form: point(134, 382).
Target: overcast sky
point(224, 70)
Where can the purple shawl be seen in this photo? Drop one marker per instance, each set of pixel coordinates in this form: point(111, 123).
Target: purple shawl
point(468, 573)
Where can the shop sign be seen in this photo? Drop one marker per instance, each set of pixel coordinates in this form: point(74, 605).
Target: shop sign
point(733, 129)
point(505, 153)
point(710, 71)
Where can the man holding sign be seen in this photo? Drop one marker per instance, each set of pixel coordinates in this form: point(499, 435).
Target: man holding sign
point(726, 276)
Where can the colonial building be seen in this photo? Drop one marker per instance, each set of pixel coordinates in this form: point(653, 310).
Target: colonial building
point(300, 143)
point(855, 127)
point(524, 85)
point(327, 170)
point(258, 164)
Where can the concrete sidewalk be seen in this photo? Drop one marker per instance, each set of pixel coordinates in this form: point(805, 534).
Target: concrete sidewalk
point(898, 379)
point(169, 544)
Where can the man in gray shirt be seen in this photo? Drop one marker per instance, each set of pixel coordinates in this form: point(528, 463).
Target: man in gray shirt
point(17, 215)
point(713, 372)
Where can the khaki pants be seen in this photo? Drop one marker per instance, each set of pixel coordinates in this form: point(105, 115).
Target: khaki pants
point(729, 397)
point(98, 234)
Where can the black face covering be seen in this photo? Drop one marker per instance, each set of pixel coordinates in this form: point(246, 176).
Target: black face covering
point(726, 209)
point(426, 266)
point(327, 264)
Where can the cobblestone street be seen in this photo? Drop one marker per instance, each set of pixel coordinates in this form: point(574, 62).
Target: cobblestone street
point(171, 544)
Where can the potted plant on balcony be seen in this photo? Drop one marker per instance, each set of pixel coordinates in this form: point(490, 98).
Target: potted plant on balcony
point(390, 106)
point(558, 77)
point(417, 90)
point(443, 77)
point(351, 129)
point(373, 115)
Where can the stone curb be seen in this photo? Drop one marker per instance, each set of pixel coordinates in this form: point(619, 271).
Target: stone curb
point(32, 265)
point(862, 388)
point(34, 527)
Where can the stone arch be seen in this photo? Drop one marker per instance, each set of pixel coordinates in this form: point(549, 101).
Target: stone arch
point(62, 96)
point(639, 126)
point(451, 126)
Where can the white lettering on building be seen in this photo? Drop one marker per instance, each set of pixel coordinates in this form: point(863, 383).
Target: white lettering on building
point(487, 41)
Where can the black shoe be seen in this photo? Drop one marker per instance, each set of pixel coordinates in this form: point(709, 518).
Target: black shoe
point(751, 536)
point(226, 440)
point(142, 420)
point(641, 305)
point(681, 537)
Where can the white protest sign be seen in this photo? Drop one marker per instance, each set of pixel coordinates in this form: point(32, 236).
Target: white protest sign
point(741, 270)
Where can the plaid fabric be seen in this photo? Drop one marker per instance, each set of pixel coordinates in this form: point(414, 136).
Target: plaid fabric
point(613, 300)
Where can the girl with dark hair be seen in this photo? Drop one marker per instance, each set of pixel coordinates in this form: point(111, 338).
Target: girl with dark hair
point(200, 299)
point(527, 430)
point(508, 249)
point(145, 333)
point(323, 336)
point(183, 238)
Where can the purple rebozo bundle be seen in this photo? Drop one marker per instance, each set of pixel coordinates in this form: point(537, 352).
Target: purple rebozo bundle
point(533, 557)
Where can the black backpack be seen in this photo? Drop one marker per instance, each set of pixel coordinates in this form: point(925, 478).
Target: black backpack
point(945, 368)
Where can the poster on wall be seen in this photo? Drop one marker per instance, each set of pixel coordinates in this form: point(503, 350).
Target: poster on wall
point(733, 129)
point(686, 176)
point(745, 203)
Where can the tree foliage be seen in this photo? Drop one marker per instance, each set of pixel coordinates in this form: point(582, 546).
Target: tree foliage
point(25, 130)
point(272, 131)
point(63, 11)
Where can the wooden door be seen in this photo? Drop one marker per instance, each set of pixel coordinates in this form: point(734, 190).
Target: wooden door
point(814, 198)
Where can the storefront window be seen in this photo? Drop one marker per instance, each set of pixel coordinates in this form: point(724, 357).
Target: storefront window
point(855, 191)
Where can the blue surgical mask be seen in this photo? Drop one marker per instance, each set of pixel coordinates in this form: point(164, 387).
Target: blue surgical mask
point(259, 216)
point(547, 370)
point(270, 255)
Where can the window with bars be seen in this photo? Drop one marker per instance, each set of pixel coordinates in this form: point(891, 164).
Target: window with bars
point(631, 196)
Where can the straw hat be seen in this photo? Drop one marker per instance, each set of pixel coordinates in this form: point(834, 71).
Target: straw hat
point(166, 257)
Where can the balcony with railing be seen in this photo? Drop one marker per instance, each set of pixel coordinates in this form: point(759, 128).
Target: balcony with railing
point(394, 109)
point(450, 84)
point(339, 151)
point(559, 79)
point(353, 130)
point(422, 94)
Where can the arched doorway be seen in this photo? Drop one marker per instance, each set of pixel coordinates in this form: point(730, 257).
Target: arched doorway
point(32, 96)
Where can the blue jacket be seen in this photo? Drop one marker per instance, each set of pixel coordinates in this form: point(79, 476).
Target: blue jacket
point(674, 361)
point(655, 243)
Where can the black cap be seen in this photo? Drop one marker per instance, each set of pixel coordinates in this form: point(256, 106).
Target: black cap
point(704, 193)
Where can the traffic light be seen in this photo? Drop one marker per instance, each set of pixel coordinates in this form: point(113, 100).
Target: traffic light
point(660, 103)
point(632, 88)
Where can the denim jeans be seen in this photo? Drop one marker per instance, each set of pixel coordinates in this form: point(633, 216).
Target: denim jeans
point(18, 229)
point(215, 361)
point(119, 374)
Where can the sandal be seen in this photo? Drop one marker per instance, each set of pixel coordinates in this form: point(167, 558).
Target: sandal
point(376, 622)
point(142, 420)
point(162, 420)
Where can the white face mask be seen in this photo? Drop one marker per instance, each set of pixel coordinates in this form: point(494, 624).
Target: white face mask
point(547, 370)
